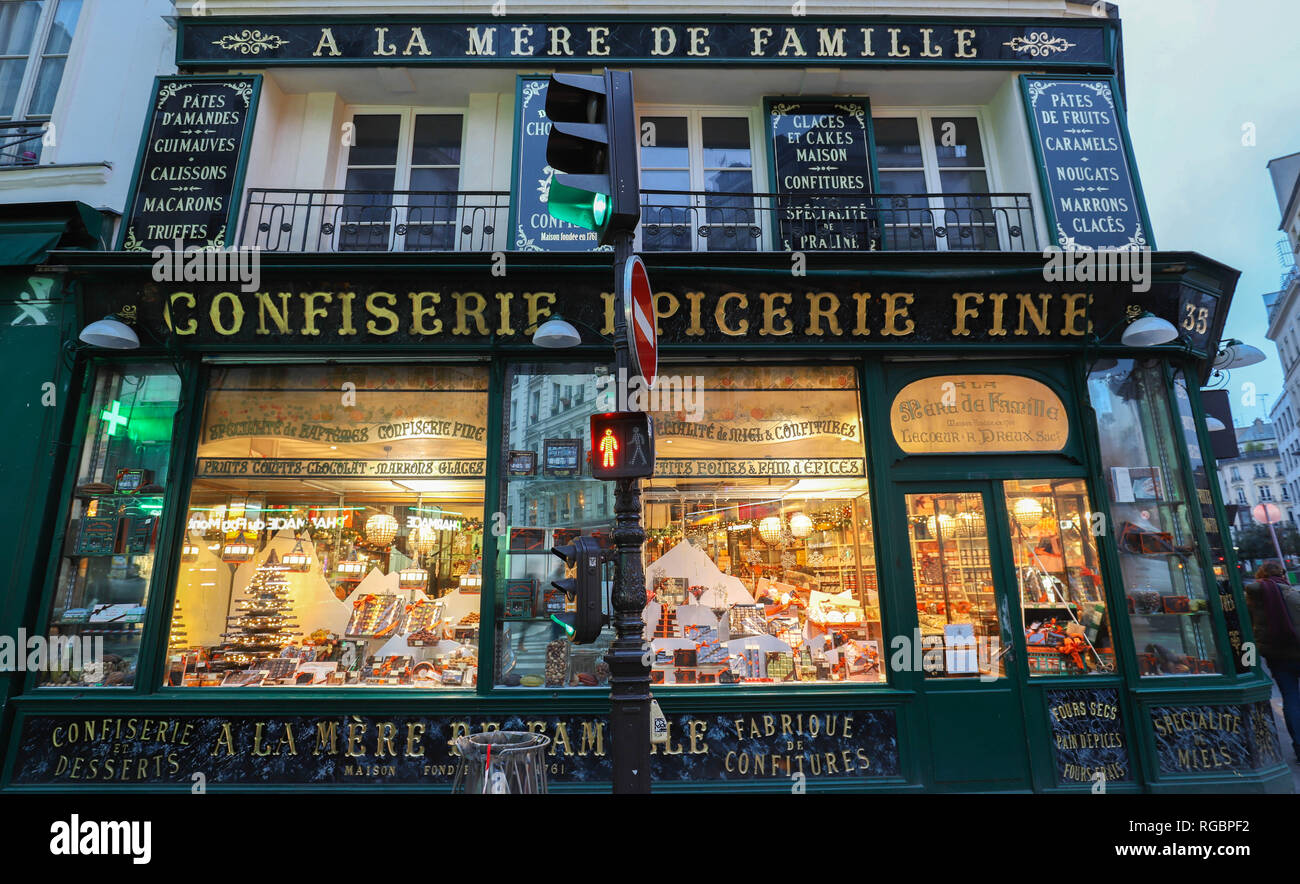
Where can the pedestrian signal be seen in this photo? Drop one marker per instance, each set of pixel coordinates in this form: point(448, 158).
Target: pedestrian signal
point(622, 445)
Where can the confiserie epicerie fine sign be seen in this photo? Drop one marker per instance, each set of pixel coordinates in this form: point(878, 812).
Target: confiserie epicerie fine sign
point(160, 750)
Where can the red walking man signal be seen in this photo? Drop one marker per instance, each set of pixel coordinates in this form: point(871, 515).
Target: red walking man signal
point(622, 445)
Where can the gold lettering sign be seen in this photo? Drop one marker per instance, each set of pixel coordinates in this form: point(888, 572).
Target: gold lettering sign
point(984, 413)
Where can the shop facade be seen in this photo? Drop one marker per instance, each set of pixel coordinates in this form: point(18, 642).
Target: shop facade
point(919, 520)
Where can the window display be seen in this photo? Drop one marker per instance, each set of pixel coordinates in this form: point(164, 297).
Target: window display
point(1058, 575)
point(107, 567)
point(335, 530)
point(956, 602)
point(760, 564)
point(1165, 586)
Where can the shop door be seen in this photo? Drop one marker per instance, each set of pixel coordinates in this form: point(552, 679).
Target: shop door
point(971, 657)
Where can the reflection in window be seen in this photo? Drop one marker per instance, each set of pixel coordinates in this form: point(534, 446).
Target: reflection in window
point(1163, 581)
point(760, 565)
point(1058, 574)
point(104, 577)
point(330, 541)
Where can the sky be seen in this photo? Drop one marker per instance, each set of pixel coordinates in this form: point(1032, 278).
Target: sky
point(1196, 72)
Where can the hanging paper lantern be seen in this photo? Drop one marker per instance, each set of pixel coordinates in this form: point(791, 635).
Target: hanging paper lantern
point(970, 524)
point(381, 528)
point(800, 525)
point(946, 527)
point(1027, 512)
point(770, 530)
point(421, 540)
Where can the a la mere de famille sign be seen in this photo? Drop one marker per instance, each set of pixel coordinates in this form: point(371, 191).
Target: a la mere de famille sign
point(1065, 44)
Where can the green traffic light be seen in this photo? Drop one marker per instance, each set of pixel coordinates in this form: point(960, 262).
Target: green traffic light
point(585, 208)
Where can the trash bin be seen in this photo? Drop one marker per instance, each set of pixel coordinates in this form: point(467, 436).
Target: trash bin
point(501, 763)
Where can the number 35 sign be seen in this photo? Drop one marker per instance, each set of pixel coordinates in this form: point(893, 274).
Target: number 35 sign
point(1197, 315)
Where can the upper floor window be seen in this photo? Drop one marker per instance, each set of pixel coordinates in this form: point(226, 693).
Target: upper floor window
point(1265, 493)
point(1261, 471)
point(941, 161)
point(35, 36)
point(1236, 474)
point(1241, 497)
point(697, 173)
point(402, 182)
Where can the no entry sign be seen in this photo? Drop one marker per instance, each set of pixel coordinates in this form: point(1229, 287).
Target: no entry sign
point(639, 309)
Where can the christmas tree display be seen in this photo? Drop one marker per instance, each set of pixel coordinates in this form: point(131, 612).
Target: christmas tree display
point(176, 637)
point(263, 622)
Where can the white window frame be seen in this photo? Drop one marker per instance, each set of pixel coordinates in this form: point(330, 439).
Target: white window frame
point(694, 115)
point(40, 39)
point(405, 141)
point(930, 158)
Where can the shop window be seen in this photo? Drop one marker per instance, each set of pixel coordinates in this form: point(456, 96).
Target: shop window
point(940, 159)
point(35, 37)
point(402, 182)
point(1058, 575)
point(107, 568)
point(697, 174)
point(334, 534)
point(760, 562)
point(1164, 585)
point(956, 601)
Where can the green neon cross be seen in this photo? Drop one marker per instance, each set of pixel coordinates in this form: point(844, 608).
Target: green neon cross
point(114, 418)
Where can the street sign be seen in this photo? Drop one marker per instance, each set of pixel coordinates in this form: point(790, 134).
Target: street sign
point(639, 309)
point(1266, 513)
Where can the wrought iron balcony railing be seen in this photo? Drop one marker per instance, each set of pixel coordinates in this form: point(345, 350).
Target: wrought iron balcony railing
point(693, 221)
point(282, 220)
point(20, 143)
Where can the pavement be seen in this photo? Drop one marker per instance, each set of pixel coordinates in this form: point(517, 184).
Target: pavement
point(1284, 738)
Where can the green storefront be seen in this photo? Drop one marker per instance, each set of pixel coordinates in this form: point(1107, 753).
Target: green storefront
point(927, 514)
point(312, 531)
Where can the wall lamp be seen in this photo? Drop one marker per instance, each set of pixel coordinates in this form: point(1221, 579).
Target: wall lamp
point(557, 333)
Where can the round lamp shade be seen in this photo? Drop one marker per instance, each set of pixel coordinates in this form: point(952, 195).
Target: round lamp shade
point(1027, 512)
point(556, 334)
point(1148, 331)
point(945, 527)
point(1239, 355)
point(801, 525)
point(381, 528)
point(110, 333)
point(770, 529)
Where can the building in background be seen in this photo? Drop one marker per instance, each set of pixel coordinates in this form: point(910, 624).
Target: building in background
point(1257, 475)
point(843, 218)
point(1283, 308)
point(1283, 417)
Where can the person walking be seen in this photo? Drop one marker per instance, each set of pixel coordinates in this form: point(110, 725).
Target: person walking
point(1275, 614)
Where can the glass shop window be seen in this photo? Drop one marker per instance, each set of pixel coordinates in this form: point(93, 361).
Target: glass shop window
point(335, 532)
point(1058, 574)
point(1164, 583)
point(107, 564)
point(760, 562)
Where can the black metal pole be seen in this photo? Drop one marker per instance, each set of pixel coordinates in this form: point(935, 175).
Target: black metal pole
point(629, 681)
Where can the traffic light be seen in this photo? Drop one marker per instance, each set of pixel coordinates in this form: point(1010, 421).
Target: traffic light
point(585, 587)
point(593, 148)
point(622, 445)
